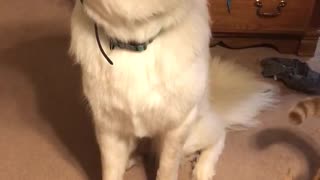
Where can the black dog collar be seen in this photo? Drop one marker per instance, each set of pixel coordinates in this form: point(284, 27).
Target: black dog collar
point(114, 43)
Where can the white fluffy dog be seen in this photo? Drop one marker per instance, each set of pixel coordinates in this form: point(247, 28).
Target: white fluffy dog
point(168, 91)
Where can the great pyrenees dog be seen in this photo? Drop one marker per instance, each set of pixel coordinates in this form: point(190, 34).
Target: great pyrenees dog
point(148, 73)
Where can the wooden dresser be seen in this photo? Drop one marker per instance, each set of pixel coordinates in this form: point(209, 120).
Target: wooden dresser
point(290, 26)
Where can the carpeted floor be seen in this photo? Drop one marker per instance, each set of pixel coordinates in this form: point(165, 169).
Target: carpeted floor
point(45, 130)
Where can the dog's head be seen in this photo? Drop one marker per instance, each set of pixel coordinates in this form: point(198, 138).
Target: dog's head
point(130, 10)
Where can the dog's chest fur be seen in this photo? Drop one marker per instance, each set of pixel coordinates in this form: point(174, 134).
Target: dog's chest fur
point(143, 92)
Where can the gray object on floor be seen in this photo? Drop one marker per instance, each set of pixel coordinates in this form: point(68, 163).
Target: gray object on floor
point(293, 73)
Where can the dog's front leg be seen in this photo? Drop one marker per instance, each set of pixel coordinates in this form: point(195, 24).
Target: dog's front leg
point(115, 151)
point(171, 151)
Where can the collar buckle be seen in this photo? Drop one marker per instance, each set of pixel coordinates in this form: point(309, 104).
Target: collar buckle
point(132, 46)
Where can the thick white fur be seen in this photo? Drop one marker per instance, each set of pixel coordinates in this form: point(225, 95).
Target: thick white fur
point(164, 92)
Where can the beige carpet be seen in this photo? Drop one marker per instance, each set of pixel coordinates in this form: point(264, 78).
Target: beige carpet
point(45, 130)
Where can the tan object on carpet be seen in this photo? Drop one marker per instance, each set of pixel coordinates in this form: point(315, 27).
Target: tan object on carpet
point(45, 129)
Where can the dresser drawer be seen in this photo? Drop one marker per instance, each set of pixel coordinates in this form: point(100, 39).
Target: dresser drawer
point(294, 18)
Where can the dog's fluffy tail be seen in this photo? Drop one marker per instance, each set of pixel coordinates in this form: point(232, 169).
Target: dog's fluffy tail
point(237, 95)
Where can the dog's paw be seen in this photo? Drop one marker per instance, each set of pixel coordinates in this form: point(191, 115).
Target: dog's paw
point(203, 171)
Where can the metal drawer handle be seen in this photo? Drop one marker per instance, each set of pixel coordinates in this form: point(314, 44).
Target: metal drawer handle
point(277, 12)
